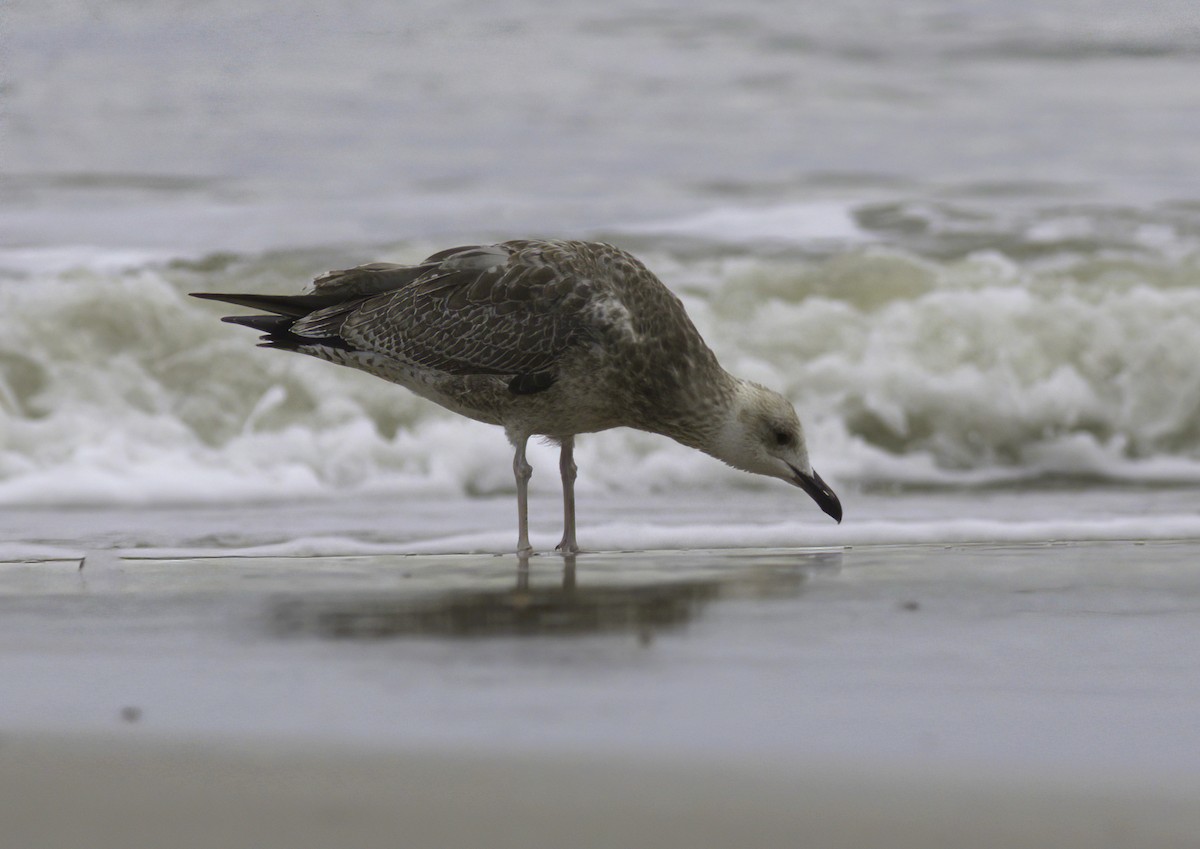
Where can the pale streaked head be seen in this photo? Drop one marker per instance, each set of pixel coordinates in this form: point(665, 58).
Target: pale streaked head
point(763, 435)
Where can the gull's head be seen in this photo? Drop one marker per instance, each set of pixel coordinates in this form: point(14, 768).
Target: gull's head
point(763, 435)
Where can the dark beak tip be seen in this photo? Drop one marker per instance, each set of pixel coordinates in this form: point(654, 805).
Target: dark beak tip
point(830, 505)
point(820, 492)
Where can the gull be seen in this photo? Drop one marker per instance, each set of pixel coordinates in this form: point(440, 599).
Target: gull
point(552, 338)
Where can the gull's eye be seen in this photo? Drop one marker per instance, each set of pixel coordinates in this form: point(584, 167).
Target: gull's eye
point(782, 438)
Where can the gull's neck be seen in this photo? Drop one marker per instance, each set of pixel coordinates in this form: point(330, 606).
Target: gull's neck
point(707, 414)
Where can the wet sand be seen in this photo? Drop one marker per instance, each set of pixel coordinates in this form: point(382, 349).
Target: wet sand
point(64, 792)
point(929, 696)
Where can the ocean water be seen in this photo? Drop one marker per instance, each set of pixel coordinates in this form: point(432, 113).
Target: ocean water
point(963, 238)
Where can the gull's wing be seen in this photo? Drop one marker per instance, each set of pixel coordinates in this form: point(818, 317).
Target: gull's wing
point(507, 309)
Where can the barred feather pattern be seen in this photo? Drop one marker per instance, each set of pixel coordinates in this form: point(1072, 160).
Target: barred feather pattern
point(544, 337)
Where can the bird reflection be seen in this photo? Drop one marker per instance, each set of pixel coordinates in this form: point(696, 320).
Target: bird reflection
point(638, 601)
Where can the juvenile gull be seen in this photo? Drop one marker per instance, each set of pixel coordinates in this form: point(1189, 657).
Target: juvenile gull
point(552, 338)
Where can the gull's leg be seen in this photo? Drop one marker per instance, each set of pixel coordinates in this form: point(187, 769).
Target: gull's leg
point(566, 465)
point(568, 581)
point(523, 472)
point(522, 572)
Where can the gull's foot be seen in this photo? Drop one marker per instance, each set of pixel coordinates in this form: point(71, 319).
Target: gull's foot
point(567, 547)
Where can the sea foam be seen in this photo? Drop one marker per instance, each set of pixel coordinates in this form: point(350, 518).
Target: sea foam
point(797, 223)
point(908, 370)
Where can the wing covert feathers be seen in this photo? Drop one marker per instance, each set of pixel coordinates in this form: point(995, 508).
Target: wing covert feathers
point(509, 309)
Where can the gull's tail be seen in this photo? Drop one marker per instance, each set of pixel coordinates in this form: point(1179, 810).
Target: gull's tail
point(285, 311)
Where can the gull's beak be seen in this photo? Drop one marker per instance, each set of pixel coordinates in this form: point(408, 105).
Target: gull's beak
point(819, 492)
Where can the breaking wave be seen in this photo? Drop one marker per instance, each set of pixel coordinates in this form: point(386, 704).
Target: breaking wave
point(910, 367)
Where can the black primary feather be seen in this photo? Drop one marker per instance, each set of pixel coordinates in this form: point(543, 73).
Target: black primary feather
point(277, 333)
point(293, 306)
point(262, 323)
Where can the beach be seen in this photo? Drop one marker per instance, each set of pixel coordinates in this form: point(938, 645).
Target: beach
point(63, 792)
point(866, 695)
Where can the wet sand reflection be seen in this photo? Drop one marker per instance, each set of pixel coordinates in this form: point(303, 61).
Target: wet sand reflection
point(614, 596)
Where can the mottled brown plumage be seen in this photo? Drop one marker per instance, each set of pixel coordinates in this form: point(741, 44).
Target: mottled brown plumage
point(553, 338)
